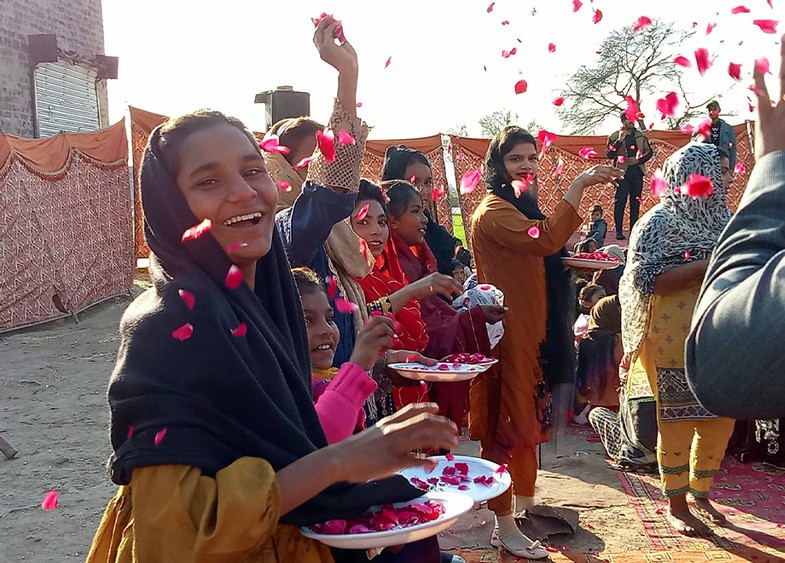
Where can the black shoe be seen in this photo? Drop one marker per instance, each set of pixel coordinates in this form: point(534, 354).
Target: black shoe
point(620, 236)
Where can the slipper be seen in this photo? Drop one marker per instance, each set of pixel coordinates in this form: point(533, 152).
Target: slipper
point(534, 551)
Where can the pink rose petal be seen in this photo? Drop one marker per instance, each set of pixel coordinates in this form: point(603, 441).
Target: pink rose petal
point(766, 26)
point(241, 330)
point(702, 60)
point(762, 64)
point(519, 186)
point(130, 431)
point(658, 183)
point(489, 9)
point(576, 5)
point(588, 152)
point(687, 255)
point(159, 437)
point(345, 138)
point(667, 105)
point(642, 23)
point(270, 143)
point(546, 140)
point(682, 61)
point(363, 211)
point(740, 168)
point(284, 186)
point(710, 27)
point(196, 231)
point(559, 168)
point(437, 193)
point(521, 86)
point(188, 298)
point(234, 277)
point(332, 286)
point(345, 306)
point(505, 54)
point(506, 22)
point(235, 246)
point(183, 333)
point(740, 10)
point(470, 180)
point(698, 186)
point(534, 232)
point(325, 140)
point(631, 112)
point(551, 48)
point(734, 70)
point(387, 63)
point(304, 162)
point(597, 17)
point(50, 501)
point(558, 102)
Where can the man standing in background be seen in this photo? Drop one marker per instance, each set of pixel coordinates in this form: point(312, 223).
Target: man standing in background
point(722, 134)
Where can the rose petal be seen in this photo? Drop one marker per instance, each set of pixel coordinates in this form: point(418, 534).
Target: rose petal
point(470, 180)
point(270, 143)
point(519, 186)
point(734, 70)
point(332, 286)
point(546, 140)
point(704, 128)
point(558, 101)
point(489, 9)
point(702, 60)
point(505, 54)
point(449, 456)
point(345, 138)
point(196, 231)
point(551, 48)
point(740, 10)
point(597, 17)
point(130, 431)
point(506, 22)
point(559, 168)
point(188, 298)
point(682, 61)
point(762, 64)
point(534, 232)
point(50, 501)
point(576, 5)
point(740, 168)
point(304, 162)
point(502, 468)
point(632, 109)
point(234, 277)
point(710, 27)
point(363, 211)
point(588, 152)
point(621, 159)
point(667, 105)
point(183, 333)
point(642, 22)
point(437, 193)
point(345, 306)
point(521, 86)
point(235, 246)
point(284, 186)
point(687, 255)
point(358, 104)
point(698, 186)
point(159, 437)
point(387, 63)
point(325, 140)
point(766, 26)
point(241, 330)
point(658, 183)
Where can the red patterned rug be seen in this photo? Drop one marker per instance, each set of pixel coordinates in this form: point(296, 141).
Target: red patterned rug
point(751, 496)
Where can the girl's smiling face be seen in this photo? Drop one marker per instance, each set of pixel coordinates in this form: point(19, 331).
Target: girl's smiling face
point(372, 228)
point(323, 333)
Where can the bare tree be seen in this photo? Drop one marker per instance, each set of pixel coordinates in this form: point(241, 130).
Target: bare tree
point(496, 121)
point(459, 130)
point(631, 63)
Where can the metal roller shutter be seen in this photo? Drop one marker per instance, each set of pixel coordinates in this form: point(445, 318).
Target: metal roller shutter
point(65, 99)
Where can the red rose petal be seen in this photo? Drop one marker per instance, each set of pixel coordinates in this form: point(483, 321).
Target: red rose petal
point(667, 105)
point(642, 22)
point(363, 211)
point(241, 330)
point(345, 306)
point(740, 10)
point(687, 255)
point(50, 501)
point(505, 54)
point(470, 180)
point(734, 70)
point(740, 168)
point(506, 22)
point(534, 232)
point(437, 193)
point(658, 183)
point(698, 186)
point(159, 437)
point(597, 17)
point(325, 140)
point(234, 277)
point(284, 186)
point(183, 333)
point(620, 159)
point(270, 143)
point(489, 9)
point(559, 168)
point(558, 101)
point(702, 60)
point(502, 468)
point(386, 64)
point(521, 86)
point(766, 26)
point(345, 138)
point(762, 64)
point(188, 298)
point(304, 162)
point(632, 109)
point(710, 27)
point(546, 139)
point(519, 186)
point(130, 431)
point(576, 5)
point(235, 246)
point(196, 231)
point(449, 456)
point(682, 61)
point(358, 104)
point(551, 48)
point(332, 286)
point(588, 152)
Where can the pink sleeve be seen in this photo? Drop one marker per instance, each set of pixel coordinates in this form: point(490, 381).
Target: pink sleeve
point(340, 406)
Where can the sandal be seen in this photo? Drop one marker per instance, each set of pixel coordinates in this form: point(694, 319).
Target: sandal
point(535, 551)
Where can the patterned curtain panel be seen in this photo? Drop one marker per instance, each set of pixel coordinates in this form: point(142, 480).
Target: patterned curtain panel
point(468, 154)
point(66, 237)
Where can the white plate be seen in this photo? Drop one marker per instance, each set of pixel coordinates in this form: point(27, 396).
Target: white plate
point(477, 466)
point(588, 264)
point(419, 372)
point(454, 506)
point(486, 365)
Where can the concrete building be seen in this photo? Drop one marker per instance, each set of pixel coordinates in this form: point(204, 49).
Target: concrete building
point(53, 70)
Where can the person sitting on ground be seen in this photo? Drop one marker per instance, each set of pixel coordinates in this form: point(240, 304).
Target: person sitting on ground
point(599, 354)
point(598, 227)
point(629, 435)
point(588, 297)
point(218, 450)
point(609, 279)
point(403, 163)
point(668, 256)
point(734, 349)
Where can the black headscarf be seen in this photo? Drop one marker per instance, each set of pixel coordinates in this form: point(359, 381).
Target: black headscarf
point(396, 160)
point(557, 352)
point(219, 397)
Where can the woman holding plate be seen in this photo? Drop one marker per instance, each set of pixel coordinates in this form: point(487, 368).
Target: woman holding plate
point(519, 250)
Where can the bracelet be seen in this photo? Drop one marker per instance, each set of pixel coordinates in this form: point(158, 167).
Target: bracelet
point(381, 306)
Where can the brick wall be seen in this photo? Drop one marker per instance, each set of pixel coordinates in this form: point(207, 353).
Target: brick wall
point(78, 25)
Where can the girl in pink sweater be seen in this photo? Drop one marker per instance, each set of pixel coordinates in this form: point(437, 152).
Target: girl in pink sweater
point(340, 393)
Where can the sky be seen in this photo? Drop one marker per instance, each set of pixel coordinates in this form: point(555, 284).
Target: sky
point(177, 56)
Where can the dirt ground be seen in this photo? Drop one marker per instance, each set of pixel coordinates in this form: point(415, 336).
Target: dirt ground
point(53, 410)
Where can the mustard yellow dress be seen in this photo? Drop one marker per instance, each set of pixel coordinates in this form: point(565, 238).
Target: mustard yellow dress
point(174, 513)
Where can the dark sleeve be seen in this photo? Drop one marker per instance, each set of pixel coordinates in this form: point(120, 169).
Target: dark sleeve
point(734, 354)
point(305, 226)
point(647, 152)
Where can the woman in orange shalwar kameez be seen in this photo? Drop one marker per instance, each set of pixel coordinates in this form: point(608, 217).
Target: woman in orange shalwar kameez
point(517, 249)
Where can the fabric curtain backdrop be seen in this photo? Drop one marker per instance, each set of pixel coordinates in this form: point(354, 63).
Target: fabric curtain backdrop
point(65, 229)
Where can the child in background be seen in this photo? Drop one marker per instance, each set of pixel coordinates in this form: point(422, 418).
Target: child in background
point(598, 227)
point(587, 298)
point(459, 272)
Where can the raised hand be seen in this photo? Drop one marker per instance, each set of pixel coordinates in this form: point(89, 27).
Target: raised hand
point(770, 132)
point(372, 340)
point(343, 57)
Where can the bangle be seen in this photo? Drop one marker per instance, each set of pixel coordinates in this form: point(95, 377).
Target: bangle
point(386, 307)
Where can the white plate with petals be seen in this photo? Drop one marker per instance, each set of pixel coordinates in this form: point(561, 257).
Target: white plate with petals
point(442, 371)
point(479, 478)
